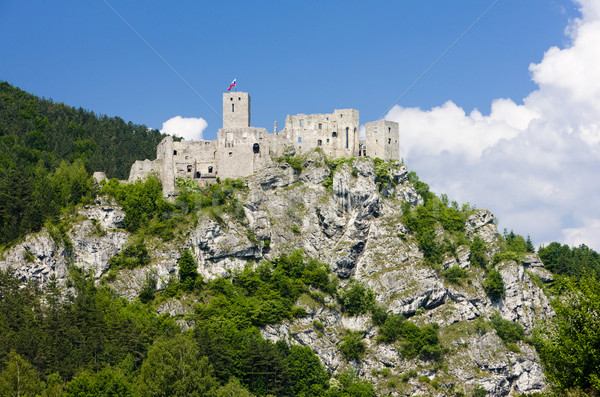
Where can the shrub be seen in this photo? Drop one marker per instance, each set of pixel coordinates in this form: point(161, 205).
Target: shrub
point(479, 391)
point(455, 275)
point(494, 285)
point(333, 165)
point(420, 341)
point(383, 177)
point(415, 341)
point(379, 315)
point(296, 162)
point(391, 329)
point(508, 331)
point(134, 255)
point(352, 345)
point(318, 325)
point(507, 256)
point(408, 375)
point(478, 256)
point(147, 293)
point(357, 298)
point(298, 312)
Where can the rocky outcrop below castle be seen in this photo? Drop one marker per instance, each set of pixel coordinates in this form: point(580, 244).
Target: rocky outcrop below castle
point(357, 228)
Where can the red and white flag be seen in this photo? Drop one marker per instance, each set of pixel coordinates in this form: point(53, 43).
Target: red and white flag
point(231, 85)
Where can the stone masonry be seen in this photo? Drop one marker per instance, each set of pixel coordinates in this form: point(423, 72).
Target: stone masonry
point(240, 150)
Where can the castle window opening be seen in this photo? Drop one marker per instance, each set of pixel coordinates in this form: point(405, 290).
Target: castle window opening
point(375, 129)
point(334, 134)
point(389, 130)
point(347, 130)
point(231, 99)
point(300, 123)
point(189, 168)
point(389, 140)
point(230, 153)
point(174, 152)
point(210, 170)
point(239, 99)
point(299, 139)
point(319, 143)
point(320, 126)
point(233, 107)
point(327, 140)
point(197, 174)
point(256, 148)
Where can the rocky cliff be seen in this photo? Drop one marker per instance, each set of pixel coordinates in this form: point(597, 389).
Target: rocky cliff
point(356, 226)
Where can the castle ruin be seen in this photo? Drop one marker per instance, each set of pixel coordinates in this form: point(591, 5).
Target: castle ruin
point(240, 150)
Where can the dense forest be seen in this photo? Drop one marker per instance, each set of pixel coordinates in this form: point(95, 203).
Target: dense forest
point(48, 149)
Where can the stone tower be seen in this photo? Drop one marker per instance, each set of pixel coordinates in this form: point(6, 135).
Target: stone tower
point(236, 110)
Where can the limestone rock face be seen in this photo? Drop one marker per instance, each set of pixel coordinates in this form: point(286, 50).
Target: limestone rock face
point(481, 224)
point(354, 225)
point(94, 241)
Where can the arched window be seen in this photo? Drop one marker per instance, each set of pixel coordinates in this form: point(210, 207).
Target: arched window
point(197, 174)
point(174, 152)
point(189, 168)
point(232, 107)
point(334, 134)
point(210, 169)
point(256, 148)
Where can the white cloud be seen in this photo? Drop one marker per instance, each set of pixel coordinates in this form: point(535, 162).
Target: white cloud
point(536, 165)
point(189, 128)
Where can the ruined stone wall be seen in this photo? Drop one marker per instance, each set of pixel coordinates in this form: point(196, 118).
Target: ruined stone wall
point(382, 140)
point(141, 168)
point(195, 160)
point(335, 133)
point(242, 151)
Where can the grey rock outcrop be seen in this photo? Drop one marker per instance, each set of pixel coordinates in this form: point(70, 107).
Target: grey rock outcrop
point(356, 226)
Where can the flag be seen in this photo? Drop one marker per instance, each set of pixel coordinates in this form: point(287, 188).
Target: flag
point(231, 85)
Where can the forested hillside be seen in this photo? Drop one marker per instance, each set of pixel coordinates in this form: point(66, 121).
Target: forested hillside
point(48, 149)
point(313, 277)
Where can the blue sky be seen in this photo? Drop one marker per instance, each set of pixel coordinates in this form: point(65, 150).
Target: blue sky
point(293, 57)
point(315, 56)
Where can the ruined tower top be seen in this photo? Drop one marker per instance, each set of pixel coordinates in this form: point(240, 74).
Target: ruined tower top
point(236, 110)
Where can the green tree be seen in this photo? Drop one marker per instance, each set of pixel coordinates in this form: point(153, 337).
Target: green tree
point(174, 368)
point(356, 298)
point(108, 382)
point(188, 270)
point(233, 388)
point(19, 377)
point(494, 285)
point(569, 343)
point(306, 373)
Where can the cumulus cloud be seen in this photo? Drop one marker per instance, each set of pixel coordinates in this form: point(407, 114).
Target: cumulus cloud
point(188, 128)
point(535, 164)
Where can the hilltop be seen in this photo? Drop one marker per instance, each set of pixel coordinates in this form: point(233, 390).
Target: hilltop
point(354, 258)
